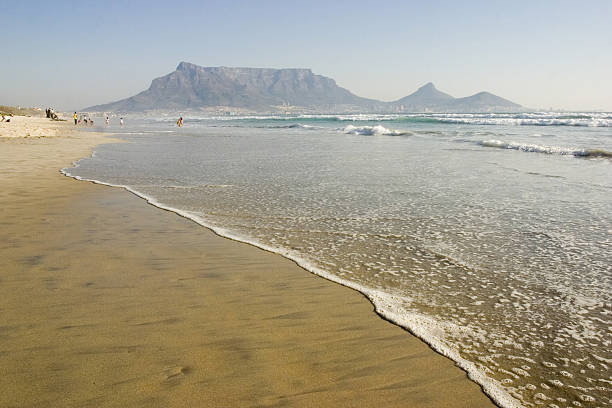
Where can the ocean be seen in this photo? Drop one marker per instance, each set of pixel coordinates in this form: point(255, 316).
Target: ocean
point(489, 236)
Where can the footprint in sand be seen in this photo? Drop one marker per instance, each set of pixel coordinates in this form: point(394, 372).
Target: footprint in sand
point(176, 373)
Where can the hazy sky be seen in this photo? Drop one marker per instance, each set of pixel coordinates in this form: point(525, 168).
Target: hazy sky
point(541, 54)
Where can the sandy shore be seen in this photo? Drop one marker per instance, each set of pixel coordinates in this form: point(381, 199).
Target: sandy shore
point(22, 126)
point(106, 301)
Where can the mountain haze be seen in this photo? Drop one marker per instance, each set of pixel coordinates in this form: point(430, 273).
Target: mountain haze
point(191, 88)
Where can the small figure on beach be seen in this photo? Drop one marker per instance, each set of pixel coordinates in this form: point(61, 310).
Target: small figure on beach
point(107, 120)
point(75, 118)
point(179, 123)
point(121, 122)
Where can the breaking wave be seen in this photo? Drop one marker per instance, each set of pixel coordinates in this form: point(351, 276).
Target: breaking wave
point(585, 122)
point(535, 148)
point(372, 131)
point(294, 126)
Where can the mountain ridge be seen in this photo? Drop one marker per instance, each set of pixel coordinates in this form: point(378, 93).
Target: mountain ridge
point(194, 87)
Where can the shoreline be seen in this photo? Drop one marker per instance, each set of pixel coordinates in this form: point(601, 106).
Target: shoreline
point(379, 301)
point(173, 315)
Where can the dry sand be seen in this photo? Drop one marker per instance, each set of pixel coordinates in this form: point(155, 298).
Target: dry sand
point(22, 126)
point(106, 301)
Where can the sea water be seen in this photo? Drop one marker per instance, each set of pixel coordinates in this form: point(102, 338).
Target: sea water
point(489, 236)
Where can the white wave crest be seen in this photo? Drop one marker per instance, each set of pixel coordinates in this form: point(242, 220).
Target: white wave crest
point(371, 131)
point(295, 126)
point(526, 120)
point(535, 148)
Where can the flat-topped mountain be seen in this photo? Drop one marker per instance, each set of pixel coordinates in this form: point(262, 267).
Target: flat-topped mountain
point(194, 87)
point(191, 87)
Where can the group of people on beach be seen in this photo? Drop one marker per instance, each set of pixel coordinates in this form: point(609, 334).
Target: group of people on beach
point(51, 114)
point(84, 119)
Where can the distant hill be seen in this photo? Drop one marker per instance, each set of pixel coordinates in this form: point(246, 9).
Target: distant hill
point(426, 96)
point(191, 88)
point(482, 101)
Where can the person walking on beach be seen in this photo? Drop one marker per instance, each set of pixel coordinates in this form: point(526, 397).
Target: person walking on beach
point(107, 120)
point(180, 122)
point(121, 122)
point(75, 118)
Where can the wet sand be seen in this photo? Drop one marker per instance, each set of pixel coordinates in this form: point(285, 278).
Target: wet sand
point(106, 301)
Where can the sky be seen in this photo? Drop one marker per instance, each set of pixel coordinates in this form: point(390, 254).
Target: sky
point(540, 54)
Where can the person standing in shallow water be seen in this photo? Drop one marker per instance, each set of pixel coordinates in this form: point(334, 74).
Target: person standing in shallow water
point(179, 123)
point(121, 122)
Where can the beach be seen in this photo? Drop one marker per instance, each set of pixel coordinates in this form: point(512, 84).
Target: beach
point(107, 301)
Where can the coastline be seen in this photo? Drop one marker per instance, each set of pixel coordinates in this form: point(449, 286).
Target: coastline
point(107, 302)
